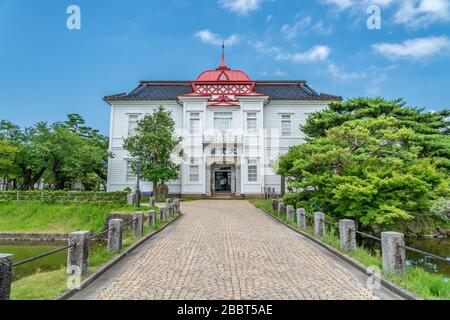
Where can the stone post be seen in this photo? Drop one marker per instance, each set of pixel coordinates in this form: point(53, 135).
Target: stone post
point(6, 266)
point(151, 201)
point(152, 218)
point(393, 253)
point(347, 235)
point(319, 224)
point(115, 235)
point(301, 218)
point(78, 256)
point(290, 213)
point(274, 204)
point(130, 198)
point(281, 208)
point(172, 210)
point(163, 214)
point(138, 224)
point(177, 205)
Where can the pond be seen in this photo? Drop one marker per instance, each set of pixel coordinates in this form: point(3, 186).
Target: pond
point(25, 250)
point(436, 246)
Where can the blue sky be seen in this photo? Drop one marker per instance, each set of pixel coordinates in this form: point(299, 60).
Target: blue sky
point(48, 71)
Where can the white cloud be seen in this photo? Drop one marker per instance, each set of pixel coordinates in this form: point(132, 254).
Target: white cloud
point(414, 49)
point(339, 73)
point(421, 13)
point(340, 4)
point(242, 7)
point(349, 4)
point(262, 47)
point(291, 32)
point(269, 18)
point(316, 53)
point(209, 37)
point(276, 73)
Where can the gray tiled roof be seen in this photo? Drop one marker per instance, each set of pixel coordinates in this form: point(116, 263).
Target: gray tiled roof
point(170, 90)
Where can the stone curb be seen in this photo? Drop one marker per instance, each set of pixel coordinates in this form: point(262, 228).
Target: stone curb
point(34, 237)
point(70, 293)
point(406, 294)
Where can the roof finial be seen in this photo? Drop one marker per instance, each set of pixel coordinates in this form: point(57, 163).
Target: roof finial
point(222, 65)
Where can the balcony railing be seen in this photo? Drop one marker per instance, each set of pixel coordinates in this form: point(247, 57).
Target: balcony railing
point(218, 137)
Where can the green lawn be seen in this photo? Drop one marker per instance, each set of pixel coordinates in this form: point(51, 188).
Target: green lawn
point(417, 280)
point(35, 217)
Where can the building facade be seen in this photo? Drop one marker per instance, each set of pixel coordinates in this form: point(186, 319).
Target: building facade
point(233, 128)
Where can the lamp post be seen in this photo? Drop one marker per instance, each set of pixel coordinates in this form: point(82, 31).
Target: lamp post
point(138, 191)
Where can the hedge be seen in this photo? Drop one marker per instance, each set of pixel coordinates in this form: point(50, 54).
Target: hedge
point(65, 197)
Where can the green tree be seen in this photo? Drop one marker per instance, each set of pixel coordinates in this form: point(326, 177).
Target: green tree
point(432, 129)
point(63, 153)
point(154, 143)
point(7, 153)
point(30, 162)
point(366, 169)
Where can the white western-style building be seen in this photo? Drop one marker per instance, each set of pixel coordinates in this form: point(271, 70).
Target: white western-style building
point(233, 130)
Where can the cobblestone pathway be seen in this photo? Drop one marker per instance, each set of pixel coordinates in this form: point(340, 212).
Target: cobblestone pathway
point(230, 250)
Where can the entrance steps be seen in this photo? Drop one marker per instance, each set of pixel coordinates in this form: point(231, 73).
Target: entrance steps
point(224, 196)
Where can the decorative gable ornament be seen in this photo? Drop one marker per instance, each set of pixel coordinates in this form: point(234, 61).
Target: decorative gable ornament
point(223, 77)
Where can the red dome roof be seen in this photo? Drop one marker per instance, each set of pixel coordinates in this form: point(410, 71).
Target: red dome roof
point(223, 75)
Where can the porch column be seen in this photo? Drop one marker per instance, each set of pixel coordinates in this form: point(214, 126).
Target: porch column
point(238, 180)
point(208, 180)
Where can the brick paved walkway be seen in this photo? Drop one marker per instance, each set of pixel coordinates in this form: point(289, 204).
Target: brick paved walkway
point(229, 250)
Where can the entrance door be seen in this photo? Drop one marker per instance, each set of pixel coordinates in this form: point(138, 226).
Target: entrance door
point(223, 180)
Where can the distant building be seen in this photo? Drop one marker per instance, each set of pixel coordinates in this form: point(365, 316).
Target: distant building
point(232, 127)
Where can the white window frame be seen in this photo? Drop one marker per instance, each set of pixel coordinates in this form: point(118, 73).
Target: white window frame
point(252, 117)
point(130, 176)
point(194, 117)
point(135, 121)
point(286, 125)
point(219, 117)
point(194, 177)
point(252, 177)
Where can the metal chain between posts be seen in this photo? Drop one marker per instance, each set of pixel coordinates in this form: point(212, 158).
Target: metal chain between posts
point(42, 255)
point(69, 246)
point(366, 235)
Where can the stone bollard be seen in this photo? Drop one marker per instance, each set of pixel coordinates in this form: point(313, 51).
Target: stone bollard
point(151, 201)
point(171, 209)
point(78, 256)
point(347, 235)
point(290, 213)
point(115, 235)
point(6, 266)
point(274, 204)
point(152, 218)
point(131, 198)
point(177, 205)
point(319, 224)
point(301, 218)
point(163, 214)
point(281, 208)
point(138, 224)
point(393, 253)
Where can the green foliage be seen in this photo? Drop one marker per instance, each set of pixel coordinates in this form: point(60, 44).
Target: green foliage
point(431, 129)
point(367, 169)
point(62, 153)
point(7, 153)
point(154, 143)
point(64, 197)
